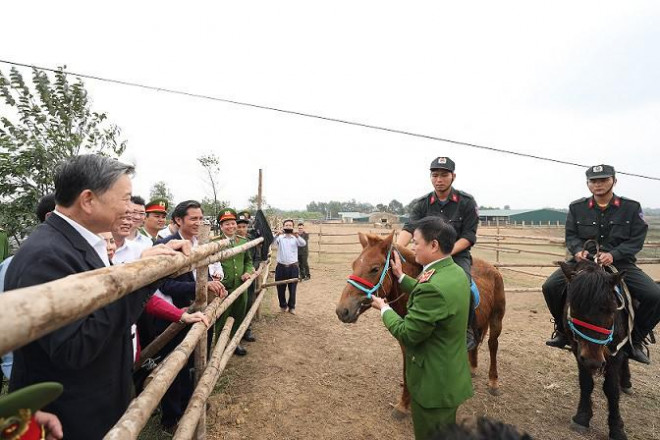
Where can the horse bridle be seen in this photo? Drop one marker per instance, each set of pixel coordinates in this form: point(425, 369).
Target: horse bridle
point(369, 288)
point(573, 322)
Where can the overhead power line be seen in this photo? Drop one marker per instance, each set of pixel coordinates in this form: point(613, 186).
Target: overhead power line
point(310, 115)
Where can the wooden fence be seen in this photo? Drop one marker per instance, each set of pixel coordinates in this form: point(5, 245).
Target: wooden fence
point(49, 306)
point(326, 243)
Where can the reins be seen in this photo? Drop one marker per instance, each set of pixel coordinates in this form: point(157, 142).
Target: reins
point(573, 323)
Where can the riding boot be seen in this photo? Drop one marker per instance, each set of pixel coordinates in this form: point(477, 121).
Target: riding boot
point(248, 336)
point(637, 351)
point(558, 338)
point(472, 335)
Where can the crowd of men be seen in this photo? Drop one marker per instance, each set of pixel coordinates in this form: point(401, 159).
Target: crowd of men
point(93, 220)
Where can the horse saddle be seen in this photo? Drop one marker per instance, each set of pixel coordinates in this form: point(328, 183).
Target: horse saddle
point(475, 294)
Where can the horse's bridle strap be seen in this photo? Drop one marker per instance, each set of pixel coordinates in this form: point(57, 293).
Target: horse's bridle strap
point(595, 328)
point(362, 281)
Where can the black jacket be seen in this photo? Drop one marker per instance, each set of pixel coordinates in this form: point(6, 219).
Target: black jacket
point(620, 229)
point(92, 357)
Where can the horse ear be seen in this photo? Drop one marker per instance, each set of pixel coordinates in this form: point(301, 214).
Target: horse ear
point(363, 240)
point(568, 269)
point(387, 241)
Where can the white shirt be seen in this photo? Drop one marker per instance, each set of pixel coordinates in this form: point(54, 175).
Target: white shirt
point(94, 240)
point(165, 232)
point(129, 251)
point(287, 248)
point(142, 241)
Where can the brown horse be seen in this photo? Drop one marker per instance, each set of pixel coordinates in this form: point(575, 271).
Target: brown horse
point(369, 266)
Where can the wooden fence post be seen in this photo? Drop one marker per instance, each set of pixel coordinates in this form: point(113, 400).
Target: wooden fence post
point(201, 300)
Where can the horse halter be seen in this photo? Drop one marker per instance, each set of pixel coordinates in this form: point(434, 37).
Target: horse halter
point(573, 322)
point(366, 286)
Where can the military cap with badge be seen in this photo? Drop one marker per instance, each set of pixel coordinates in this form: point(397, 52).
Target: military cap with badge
point(600, 172)
point(157, 205)
point(243, 217)
point(226, 214)
point(17, 410)
point(443, 163)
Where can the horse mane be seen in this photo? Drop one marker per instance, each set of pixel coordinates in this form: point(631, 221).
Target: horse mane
point(590, 288)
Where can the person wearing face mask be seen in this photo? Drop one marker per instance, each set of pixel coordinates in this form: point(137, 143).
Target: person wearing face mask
point(288, 241)
point(237, 270)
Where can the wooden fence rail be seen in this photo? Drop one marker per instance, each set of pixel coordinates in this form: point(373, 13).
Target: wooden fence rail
point(49, 306)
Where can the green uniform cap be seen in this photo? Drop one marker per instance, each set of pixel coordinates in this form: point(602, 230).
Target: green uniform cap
point(226, 214)
point(243, 217)
point(33, 397)
point(157, 205)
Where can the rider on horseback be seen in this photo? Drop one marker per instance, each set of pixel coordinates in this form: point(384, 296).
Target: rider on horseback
point(460, 210)
point(618, 225)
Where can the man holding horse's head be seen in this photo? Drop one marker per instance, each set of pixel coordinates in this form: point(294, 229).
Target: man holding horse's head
point(460, 210)
point(433, 330)
point(617, 224)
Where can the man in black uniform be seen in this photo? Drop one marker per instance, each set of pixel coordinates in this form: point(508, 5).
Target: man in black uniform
point(456, 207)
point(619, 227)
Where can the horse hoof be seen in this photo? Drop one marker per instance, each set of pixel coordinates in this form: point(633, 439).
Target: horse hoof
point(620, 435)
point(398, 413)
point(628, 390)
point(581, 429)
point(494, 391)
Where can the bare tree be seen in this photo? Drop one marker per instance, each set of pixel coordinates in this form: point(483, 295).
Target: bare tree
point(211, 163)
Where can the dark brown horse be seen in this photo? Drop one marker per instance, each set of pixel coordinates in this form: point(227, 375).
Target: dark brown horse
point(369, 266)
point(599, 328)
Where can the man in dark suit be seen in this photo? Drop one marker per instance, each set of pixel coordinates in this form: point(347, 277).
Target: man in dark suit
point(92, 357)
point(188, 216)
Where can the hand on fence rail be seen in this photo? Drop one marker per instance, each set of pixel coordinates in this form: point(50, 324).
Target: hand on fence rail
point(170, 248)
point(191, 318)
point(217, 288)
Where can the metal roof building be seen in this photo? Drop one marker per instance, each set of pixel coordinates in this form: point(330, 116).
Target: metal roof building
point(544, 216)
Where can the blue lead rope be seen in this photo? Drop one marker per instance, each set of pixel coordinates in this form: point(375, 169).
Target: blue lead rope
point(370, 292)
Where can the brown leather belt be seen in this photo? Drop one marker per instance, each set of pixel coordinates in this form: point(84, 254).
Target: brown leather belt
point(287, 265)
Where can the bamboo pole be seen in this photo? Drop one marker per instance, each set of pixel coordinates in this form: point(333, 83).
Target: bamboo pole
point(527, 237)
point(140, 409)
point(525, 272)
point(197, 406)
point(259, 189)
point(195, 412)
point(277, 283)
point(174, 328)
point(49, 306)
point(515, 250)
point(201, 300)
point(218, 256)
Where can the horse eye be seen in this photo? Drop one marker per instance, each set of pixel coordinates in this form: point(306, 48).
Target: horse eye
point(374, 270)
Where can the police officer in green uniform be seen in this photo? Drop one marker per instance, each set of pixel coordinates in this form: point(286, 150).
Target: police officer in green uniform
point(618, 225)
point(433, 331)
point(242, 222)
point(236, 270)
point(460, 210)
point(156, 218)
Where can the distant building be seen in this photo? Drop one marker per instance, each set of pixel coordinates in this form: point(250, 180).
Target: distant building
point(543, 216)
point(351, 216)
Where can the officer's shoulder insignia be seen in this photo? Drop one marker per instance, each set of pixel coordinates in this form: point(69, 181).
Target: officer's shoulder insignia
point(426, 276)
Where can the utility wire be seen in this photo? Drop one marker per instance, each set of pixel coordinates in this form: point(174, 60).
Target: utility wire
point(310, 115)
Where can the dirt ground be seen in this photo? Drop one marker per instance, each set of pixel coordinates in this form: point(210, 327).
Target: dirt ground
point(311, 376)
